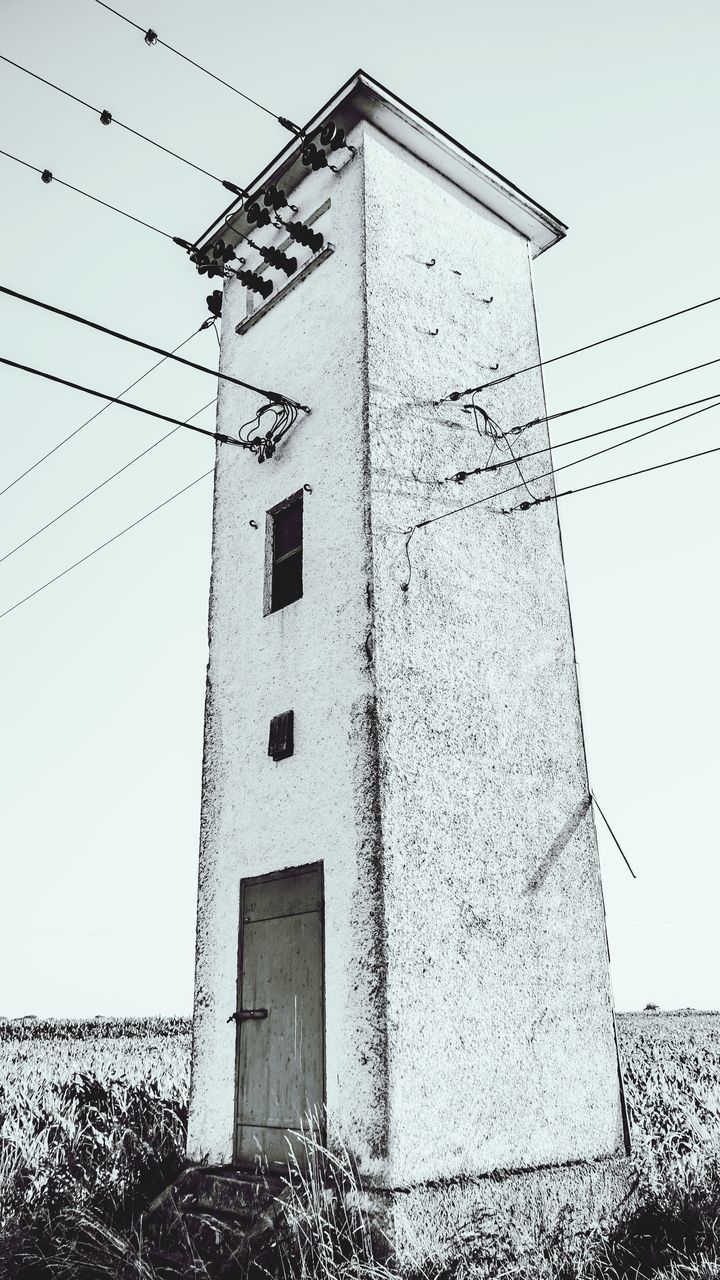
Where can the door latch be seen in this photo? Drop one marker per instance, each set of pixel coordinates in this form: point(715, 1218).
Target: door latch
point(248, 1015)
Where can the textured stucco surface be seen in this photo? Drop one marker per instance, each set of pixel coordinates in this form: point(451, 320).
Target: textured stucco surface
point(500, 1028)
point(439, 770)
point(434, 1222)
point(260, 816)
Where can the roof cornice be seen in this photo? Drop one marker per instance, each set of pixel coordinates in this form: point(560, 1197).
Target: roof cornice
point(362, 97)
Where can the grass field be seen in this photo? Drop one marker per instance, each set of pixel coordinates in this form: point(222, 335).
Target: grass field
point(132, 1049)
point(92, 1122)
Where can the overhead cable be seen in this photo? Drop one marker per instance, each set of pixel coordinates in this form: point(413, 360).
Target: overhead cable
point(104, 409)
point(457, 395)
point(275, 396)
point(616, 395)
point(107, 118)
point(612, 833)
point(619, 444)
point(598, 484)
point(420, 524)
point(126, 404)
point(101, 485)
point(48, 176)
point(443, 515)
point(460, 476)
point(152, 38)
point(107, 543)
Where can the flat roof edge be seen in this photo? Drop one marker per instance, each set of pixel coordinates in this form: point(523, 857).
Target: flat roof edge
point(363, 97)
point(443, 152)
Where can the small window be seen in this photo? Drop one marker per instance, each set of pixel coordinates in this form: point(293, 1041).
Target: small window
point(286, 553)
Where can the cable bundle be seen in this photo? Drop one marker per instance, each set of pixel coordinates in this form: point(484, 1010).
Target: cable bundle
point(264, 445)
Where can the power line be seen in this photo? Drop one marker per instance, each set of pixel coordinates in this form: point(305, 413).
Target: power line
point(552, 472)
point(152, 38)
point(617, 395)
point(591, 435)
point(101, 485)
point(47, 177)
point(525, 506)
point(102, 546)
point(612, 833)
point(105, 407)
point(148, 346)
point(107, 118)
point(457, 395)
point(598, 484)
point(126, 404)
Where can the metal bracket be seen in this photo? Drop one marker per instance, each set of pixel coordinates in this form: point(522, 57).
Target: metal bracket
point(292, 283)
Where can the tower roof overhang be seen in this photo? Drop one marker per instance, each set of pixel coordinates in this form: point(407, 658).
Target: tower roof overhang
point(362, 97)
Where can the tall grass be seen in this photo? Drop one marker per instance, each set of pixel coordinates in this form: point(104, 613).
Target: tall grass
point(93, 1127)
point(323, 1228)
point(80, 1152)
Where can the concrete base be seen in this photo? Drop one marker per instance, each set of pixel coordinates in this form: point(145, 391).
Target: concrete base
point(441, 1221)
point(224, 1210)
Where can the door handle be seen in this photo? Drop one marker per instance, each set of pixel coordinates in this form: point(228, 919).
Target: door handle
point(248, 1015)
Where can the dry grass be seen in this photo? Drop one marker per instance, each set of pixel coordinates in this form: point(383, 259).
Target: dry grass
point(137, 1050)
point(92, 1126)
point(323, 1231)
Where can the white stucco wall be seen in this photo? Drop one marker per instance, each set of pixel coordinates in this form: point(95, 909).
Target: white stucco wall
point(500, 1034)
point(438, 744)
point(258, 815)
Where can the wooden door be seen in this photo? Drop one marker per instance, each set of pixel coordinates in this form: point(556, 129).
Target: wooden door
point(280, 1053)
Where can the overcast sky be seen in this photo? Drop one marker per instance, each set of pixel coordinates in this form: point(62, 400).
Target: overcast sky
point(607, 115)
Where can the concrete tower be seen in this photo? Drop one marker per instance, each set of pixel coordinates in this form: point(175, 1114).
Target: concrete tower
point(400, 914)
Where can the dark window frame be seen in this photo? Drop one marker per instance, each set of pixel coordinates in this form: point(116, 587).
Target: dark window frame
point(276, 590)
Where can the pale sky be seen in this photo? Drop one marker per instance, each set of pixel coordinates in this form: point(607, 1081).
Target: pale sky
point(606, 114)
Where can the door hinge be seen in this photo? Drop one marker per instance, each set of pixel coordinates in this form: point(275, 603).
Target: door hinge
point(248, 1015)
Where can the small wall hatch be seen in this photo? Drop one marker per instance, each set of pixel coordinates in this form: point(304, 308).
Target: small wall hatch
point(281, 743)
